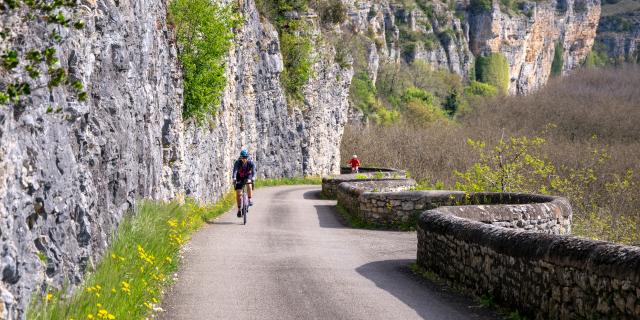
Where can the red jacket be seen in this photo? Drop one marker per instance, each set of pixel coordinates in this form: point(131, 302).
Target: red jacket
point(354, 162)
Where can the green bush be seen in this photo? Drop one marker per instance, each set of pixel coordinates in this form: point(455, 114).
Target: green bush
point(558, 60)
point(447, 36)
point(296, 51)
point(480, 6)
point(413, 93)
point(204, 31)
point(362, 93)
point(295, 43)
point(479, 89)
point(333, 12)
point(494, 70)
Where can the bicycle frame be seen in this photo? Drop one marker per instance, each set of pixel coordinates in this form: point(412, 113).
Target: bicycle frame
point(245, 203)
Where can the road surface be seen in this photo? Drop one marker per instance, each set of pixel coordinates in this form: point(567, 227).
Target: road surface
point(295, 260)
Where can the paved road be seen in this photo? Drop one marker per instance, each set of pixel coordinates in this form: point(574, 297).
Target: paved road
point(295, 260)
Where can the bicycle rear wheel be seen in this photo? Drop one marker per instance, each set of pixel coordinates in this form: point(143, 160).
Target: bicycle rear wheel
point(245, 206)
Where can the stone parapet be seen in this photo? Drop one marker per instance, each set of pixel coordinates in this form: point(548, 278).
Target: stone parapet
point(545, 276)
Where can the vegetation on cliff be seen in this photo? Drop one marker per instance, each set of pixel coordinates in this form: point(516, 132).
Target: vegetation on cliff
point(577, 137)
point(295, 43)
point(26, 66)
point(493, 69)
point(204, 32)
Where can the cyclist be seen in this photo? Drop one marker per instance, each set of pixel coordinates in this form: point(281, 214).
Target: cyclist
point(355, 164)
point(244, 170)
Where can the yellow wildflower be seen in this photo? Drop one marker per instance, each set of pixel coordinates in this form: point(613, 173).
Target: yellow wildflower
point(49, 296)
point(89, 316)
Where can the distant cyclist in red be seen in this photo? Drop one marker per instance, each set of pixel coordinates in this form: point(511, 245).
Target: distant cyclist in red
point(355, 164)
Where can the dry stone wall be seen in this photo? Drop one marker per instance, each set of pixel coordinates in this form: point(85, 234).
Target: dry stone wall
point(514, 248)
point(544, 276)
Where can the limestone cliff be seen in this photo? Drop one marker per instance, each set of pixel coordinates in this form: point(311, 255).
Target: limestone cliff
point(451, 35)
point(619, 36)
point(69, 170)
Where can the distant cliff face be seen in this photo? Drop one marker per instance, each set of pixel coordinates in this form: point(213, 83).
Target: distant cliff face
point(452, 36)
point(67, 176)
point(619, 36)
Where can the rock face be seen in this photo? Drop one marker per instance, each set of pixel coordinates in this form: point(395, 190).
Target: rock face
point(68, 176)
point(619, 36)
point(451, 37)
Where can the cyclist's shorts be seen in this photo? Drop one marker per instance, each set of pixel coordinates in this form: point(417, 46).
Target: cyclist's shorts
point(240, 183)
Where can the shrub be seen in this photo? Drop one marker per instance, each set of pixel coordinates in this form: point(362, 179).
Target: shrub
point(479, 89)
point(494, 70)
point(295, 44)
point(362, 93)
point(558, 60)
point(296, 51)
point(333, 12)
point(204, 34)
point(480, 6)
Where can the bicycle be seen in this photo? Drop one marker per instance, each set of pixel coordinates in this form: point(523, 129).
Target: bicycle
point(244, 204)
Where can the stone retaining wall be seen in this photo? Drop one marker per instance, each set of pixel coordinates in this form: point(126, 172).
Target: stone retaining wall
point(512, 247)
point(389, 203)
point(542, 275)
point(330, 184)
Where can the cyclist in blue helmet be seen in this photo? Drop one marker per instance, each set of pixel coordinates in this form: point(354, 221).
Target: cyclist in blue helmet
point(244, 171)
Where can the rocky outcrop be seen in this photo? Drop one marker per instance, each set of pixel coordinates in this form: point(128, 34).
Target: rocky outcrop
point(452, 37)
point(69, 171)
point(619, 36)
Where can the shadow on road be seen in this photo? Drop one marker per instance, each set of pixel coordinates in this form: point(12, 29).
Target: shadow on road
point(428, 299)
point(312, 195)
point(327, 216)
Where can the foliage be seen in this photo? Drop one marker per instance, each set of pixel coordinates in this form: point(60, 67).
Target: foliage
point(333, 12)
point(479, 89)
point(362, 94)
point(494, 70)
point(295, 43)
point(596, 59)
point(480, 6)
point(204, 32)
point(40, 64)
point(513, 165)
point(558, 60)
point(296, 51)
point(129, 280)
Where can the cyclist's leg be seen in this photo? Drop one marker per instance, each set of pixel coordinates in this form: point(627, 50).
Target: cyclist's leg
point(238, 188)
point(250, 192)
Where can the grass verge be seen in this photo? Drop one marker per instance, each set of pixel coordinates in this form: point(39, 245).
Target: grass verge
point(129, 280)
point(287, 181)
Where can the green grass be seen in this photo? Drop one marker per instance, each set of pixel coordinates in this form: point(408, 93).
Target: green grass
point(128, 282)
point(287, 181)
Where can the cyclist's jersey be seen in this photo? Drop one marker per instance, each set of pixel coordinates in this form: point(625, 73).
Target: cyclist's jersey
point(243, 172)
point(354, 162)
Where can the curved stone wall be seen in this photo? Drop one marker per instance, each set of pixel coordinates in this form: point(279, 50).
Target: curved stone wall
point(510, 246)
point(330, 184)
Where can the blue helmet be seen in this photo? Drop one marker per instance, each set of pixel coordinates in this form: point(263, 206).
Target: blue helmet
point(244, 153)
